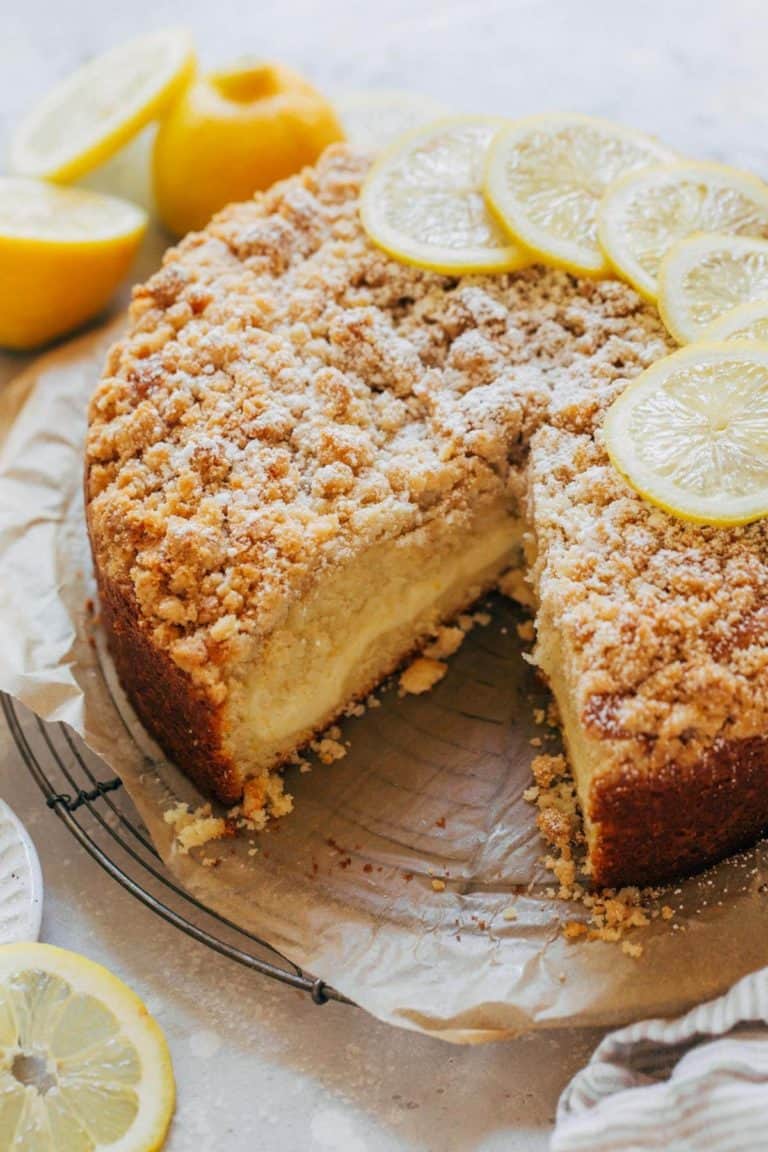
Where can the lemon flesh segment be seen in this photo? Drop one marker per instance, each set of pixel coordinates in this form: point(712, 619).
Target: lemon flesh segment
point(691, 433)
point(63, 253)
point(423, 203)
point(547, 174)
point(705, 276)
point(83, 1066)
point(747, 322)
point(99, 108)
point(644, 213)
point(373, 118)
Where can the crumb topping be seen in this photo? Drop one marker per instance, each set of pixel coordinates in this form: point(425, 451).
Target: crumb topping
point(662, 625)
point(287, 395)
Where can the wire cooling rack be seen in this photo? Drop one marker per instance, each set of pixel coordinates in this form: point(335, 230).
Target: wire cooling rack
point(98, 812)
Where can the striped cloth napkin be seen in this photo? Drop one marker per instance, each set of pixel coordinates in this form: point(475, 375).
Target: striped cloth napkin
point(695, 1084)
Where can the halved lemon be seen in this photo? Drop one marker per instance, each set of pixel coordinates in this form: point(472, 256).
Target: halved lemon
point(644, 213)
point(87, 118)
point(546, 176)
point(83, 1066)
point(374, 117)
point(423, 202)
point(746, 322)
point(63, 252)
point(691, 433)
point(704, 276)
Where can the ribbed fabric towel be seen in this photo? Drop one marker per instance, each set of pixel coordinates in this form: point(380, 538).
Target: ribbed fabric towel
point(695, 1084)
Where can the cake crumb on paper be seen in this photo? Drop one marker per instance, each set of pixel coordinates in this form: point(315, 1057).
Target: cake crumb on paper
point(447, 641)
point(509, 914)
point(421, 675)
point(438, 885)
point(195, 829)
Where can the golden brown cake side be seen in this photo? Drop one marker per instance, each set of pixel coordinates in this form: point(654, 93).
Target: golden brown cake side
point(654, 634)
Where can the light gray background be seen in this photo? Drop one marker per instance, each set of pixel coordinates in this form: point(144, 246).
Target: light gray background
point(259, 1068)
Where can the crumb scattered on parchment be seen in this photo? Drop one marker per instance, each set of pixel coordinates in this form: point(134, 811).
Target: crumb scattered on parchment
point(438, 885)
point(421, 675)
point(447, 641)
point(509, 914)
point(329, 747)
point(194, 829)
point(610, 912)
point(526, 631)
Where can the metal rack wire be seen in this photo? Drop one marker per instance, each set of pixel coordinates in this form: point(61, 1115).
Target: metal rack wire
point(99, 813)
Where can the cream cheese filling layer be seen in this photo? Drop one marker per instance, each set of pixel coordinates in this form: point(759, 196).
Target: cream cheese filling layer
point(358, 623)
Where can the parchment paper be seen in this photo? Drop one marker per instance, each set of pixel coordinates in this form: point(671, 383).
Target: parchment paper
point(432, 787)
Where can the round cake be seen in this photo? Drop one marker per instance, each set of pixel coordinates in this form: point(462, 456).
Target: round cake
point(304, 458)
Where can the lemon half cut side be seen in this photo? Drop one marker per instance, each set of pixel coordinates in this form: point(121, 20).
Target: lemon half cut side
point(63, 253)
point(423, 203)
point(83, 1066)
point(691, 433)
point(644, 213)
point(547, 174)
point(100, 107)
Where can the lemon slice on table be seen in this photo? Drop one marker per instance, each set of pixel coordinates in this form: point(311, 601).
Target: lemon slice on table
point(546, 176)
point(374, 117)
point(83, 1066)
point(644, 213)
point(691, 433)
point(704, 276)
point(746, 322)
point(63, 252)
point(97, 109)
point(423, 202)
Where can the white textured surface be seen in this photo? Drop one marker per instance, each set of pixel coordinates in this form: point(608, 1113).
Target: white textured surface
point(21, 886)
point(259, 1067)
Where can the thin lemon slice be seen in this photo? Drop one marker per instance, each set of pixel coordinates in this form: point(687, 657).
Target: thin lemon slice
point(423, 203)
point(547, 174)
point(97, 109)
point(374, 117)
point(746, 322)
point(691, 433)
point(63, 252)
point(83, 1066)
point(644, 213)
point(704, 276)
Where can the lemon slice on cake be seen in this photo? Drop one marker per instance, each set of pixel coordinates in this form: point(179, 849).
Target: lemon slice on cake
point(704, 276)
point(374, 117)
point(83, 1066)
point(691, 433)
point(88, 117)
point(643, 214)
point(63, 252)
point(423, 201)
point(546, 176)
point(746, 322)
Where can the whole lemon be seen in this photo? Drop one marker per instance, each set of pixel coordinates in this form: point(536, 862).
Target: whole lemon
point(233, 133)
